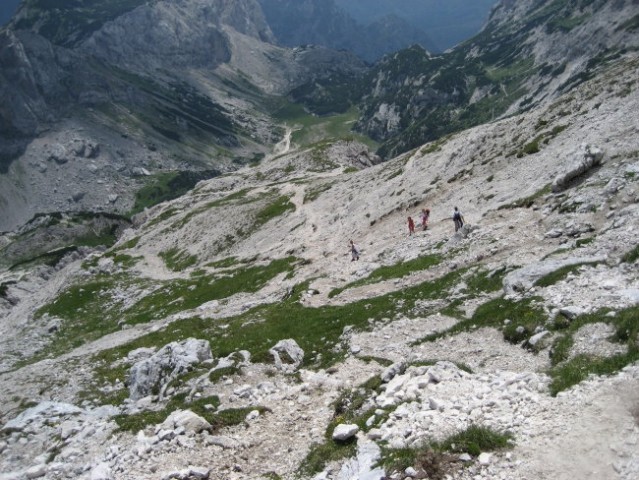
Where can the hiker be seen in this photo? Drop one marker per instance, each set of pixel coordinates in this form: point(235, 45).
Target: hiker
point(411, 226)
point(458, 218)
point(354, 252)
point(425, 215)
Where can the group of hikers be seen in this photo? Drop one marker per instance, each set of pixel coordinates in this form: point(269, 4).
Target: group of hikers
point(424, 215)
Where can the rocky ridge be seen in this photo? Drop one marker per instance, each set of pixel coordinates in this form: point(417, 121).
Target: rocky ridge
point(375, 381)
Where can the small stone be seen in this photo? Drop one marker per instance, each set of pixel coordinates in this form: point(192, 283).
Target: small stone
point(102, 471)
point(345, 431)
point(199, 472)
point(37, 471)
point(411, 472)
point(485, 458)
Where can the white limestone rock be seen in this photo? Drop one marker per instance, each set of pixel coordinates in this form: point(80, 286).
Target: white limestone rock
point(345, 431)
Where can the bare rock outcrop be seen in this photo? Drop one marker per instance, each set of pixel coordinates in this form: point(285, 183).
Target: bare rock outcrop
point(154, 373)
point(585, 160)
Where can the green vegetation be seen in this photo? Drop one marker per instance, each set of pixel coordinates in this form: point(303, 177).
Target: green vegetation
point(484, 281)
point(257, 330)
point(276, 208)
point(517, 320)
point(167, 186)
point(392, 271)
point(579, 368)
point(271, 206)
point(218, 374)
point(474, 440)
point(204, 407)
point(529, 201)
point(94, 309)
point(434, 460)
point(311, 194)
point(630, 25)
point(564, 24)
point(177, 260)
point(52, 236)
point(567, 372)
point(631, 256)
point(224, 263)
point(309, 129)
point(348, 410)
point(329, 451)
point(560, 274)
point(139, 421)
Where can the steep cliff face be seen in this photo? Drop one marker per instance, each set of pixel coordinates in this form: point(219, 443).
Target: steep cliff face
point(173, 35)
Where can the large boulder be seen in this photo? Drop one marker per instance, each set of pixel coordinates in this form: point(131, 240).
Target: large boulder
point(186, 419)
point(586, 159)
point(287, 355)
point(153, 374)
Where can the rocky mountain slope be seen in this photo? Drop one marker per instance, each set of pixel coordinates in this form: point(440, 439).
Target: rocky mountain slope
point(528, 52)
point(228, 334)
point(95, 100)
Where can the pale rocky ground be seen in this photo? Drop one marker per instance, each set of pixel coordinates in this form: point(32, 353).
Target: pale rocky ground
point(590, 431)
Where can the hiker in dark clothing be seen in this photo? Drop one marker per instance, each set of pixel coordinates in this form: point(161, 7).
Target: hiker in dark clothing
point(458, 218)
point(354, 252)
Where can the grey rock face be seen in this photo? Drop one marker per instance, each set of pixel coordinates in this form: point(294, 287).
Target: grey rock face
point(587, 159)
point(153, 374)
point(524, 278)
point(287, 355)
point(185, 419)
point(38, 413)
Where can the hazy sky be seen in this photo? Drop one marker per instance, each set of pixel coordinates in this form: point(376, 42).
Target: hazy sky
point(447, 22)
point(7, 9)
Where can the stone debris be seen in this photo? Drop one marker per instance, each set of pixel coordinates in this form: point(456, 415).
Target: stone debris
point(156, 372)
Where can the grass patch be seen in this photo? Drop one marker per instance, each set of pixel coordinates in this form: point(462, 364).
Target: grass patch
point(435, 460)
point(392, 271)
point(558, 275)
point(474, 440)
point(316, 330)
point(94, 309)
point(224, 263)
point(204, 407)
point(581, 367)
point(516, 320)
point(529, 201)
point(326, 452)
point(486, 281)
point(168, 186)
point(582, 242)
point(219, 373)
point(311, 194)
point(177, 260)
point(631, 256)
point(349, 409)
point(569, 372)
point(278, 207)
